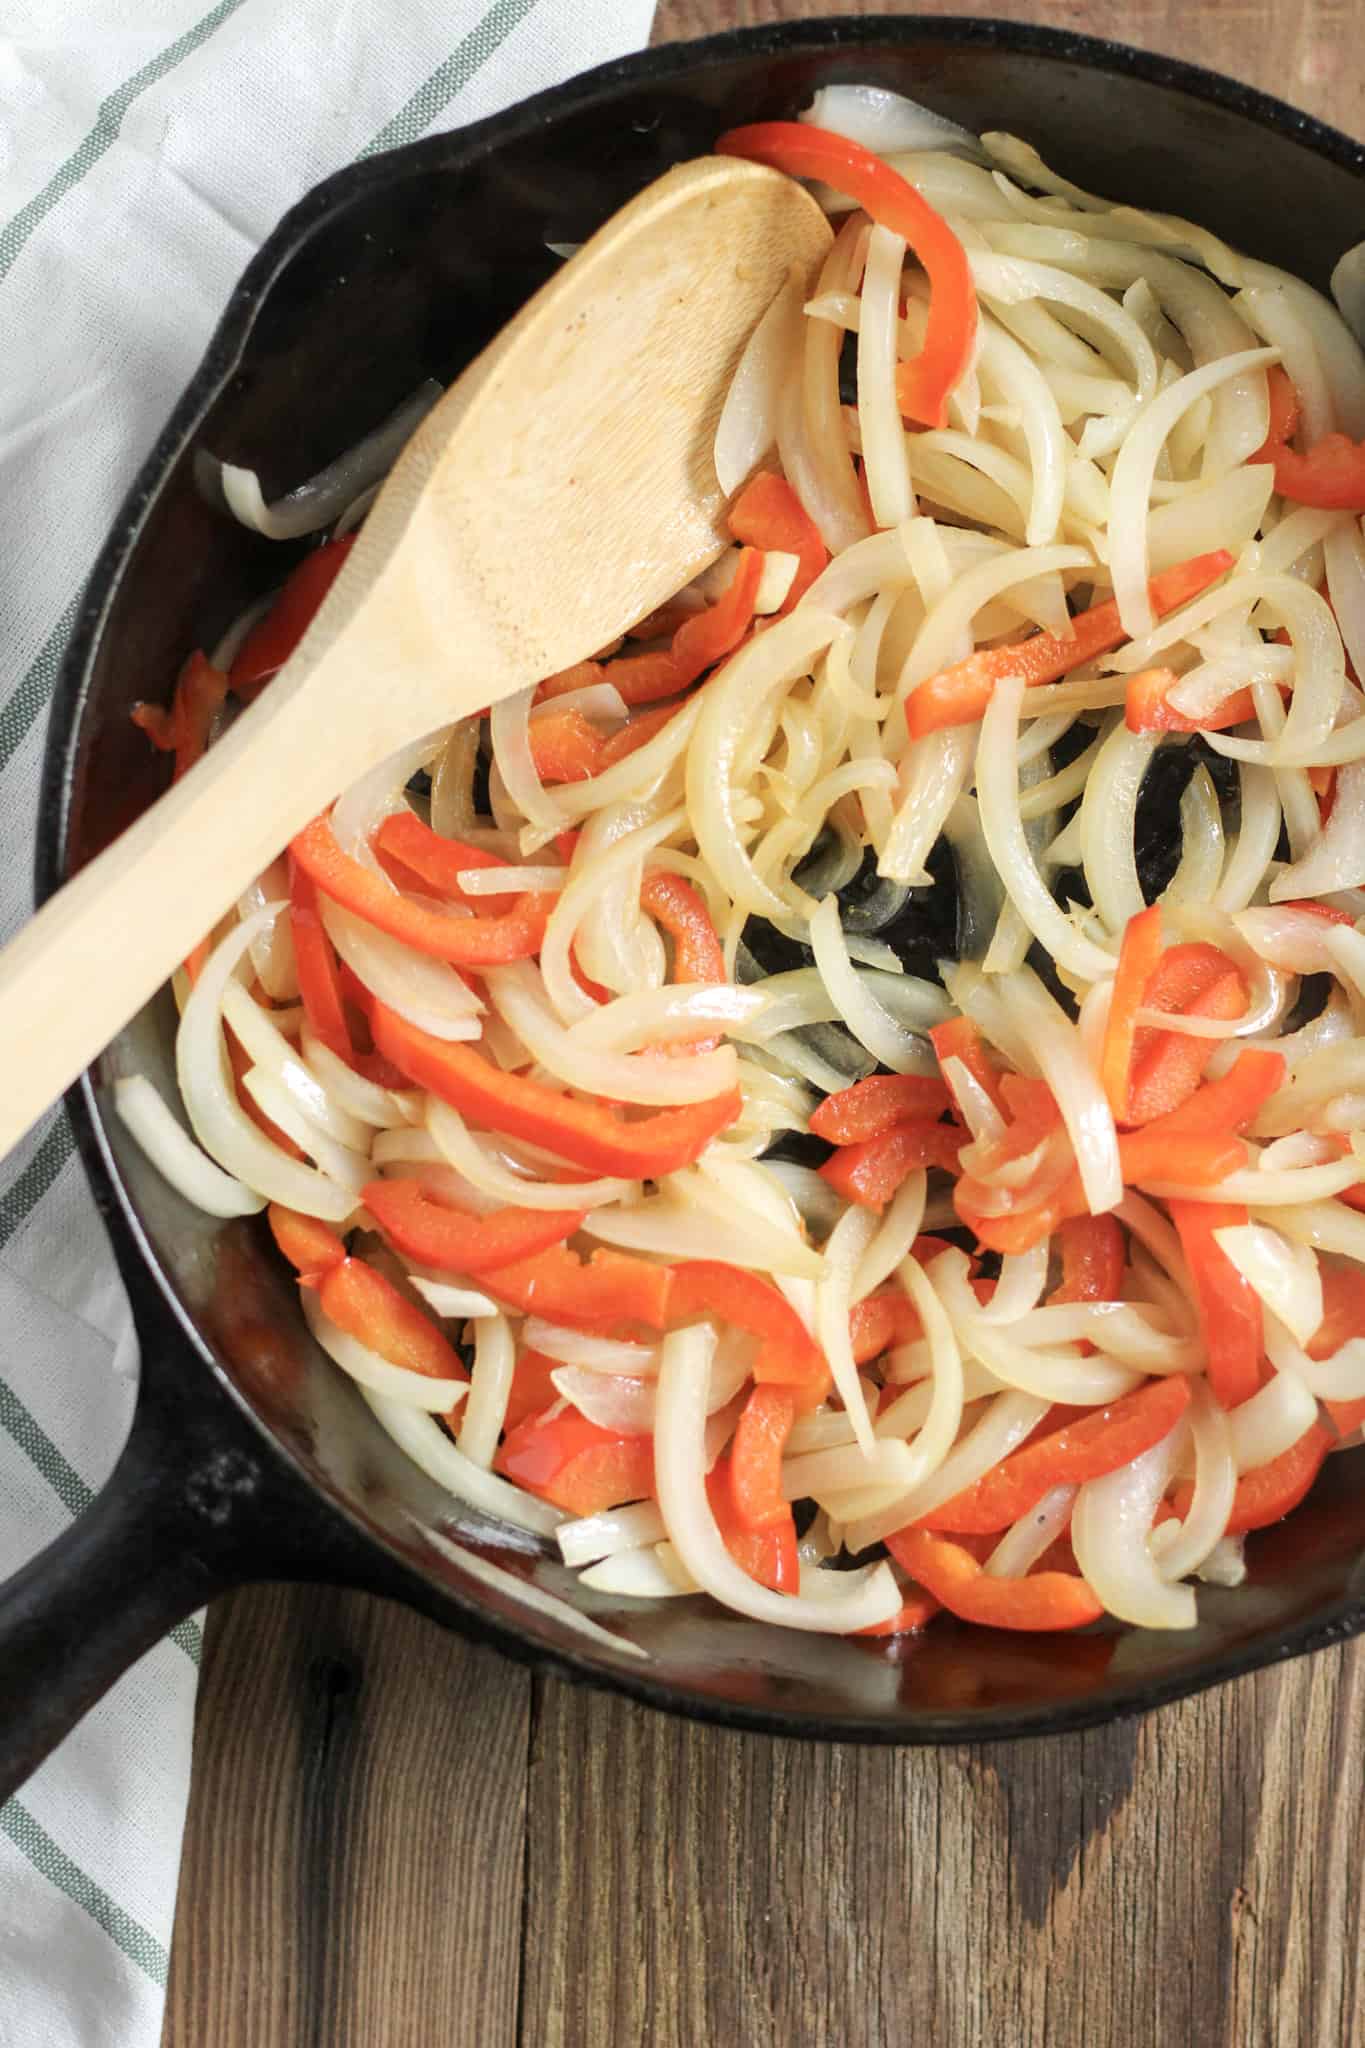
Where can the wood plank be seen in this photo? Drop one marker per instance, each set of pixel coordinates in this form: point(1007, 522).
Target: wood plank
point(353, 1857)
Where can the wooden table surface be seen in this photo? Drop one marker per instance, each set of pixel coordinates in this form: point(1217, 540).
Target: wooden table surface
point(395, 1841)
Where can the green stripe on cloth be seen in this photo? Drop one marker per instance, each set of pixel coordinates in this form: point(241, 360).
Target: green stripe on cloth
point(23, 1195)
point(437, 91)
point(56, 1866)
point(36, 687)
point(70, 1489)
point(104, 134)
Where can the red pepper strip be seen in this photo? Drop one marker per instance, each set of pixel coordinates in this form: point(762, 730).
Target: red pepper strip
point(922, 386)
point(1169, 1065)
point(1343, 1309)
point(882, 1320)
point(1148, 707)
point(573, 1464)
point(917, 1611)
point(582, 676)
point(309, 1245)
point(869, 1108)
point(436, 863)
point(1194, 1161)
point(1223, 1107)
point(634, 734)
point(370, 1309)
point(601, 1293)
point(871, 1173)
point(1331, 475)
point(1346, 1416)
point(768, 514)
point(1044, 1601)
point(457, 1241)
point(1101, 1441)
point(466, 942)
point(959, 1039)
point(1229, 1307)
point(699, 643)
point(270, 643)
point(587, 1134)
point(533, 1390)
point(1267, 1494)
point(958, 695)
point(199, 691)
point(697, 954)
point(756, 1458)
point(768, 1554)
point(319, 976)
point(1139, 958)
point(565, 746)
point(788, 1355)
point(1092, 1260)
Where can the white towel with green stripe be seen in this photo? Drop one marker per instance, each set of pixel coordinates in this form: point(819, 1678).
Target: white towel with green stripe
point(146, 149)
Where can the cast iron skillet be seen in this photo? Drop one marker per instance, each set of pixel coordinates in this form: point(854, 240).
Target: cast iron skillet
point(250, 1456)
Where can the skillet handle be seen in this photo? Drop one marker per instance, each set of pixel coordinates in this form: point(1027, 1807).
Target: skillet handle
point(196, 1504)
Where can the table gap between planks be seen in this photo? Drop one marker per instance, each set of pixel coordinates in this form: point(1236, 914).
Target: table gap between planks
point(396, 1841)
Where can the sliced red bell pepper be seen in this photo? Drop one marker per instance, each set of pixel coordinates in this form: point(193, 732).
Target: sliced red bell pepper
point(1193, 1161)
point(959, 695)
point(1331, 475)
point(959, 1039)
point(1148, 707)
point(570, 1462)
point(637, 732)
point(1100, 1441)
point(802, 151)
point(587, 1134)
point(533, 1389)
point(318, 969)
point(1284, 413)
point(1267, 1494)
point(199, 691)
point(1229, 1104)
point(465, 942)
point(240, 1063)
point(310, 1245)
point(871, 1172)
point(756, 1457)
point(455, 1240)
point(1194, 981)
point(869, 1108)
point(584, 675)
point(1343, 1308)
point(606, 1292)
point(565, 746)
point(369, 1308)
point(1043, 1601)
point(701, 641)
point(1092, 1260)
point(880, 1321)
point(272, 640)
point(1139, 958)
point(437, 863)
point(916, 1612)
point(767, 514)
point(697, 954)
point(1230, 1320)
point(788, 1355)
point(767, 1554)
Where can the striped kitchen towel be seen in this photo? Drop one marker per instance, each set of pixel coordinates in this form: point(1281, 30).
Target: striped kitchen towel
point(146, 148)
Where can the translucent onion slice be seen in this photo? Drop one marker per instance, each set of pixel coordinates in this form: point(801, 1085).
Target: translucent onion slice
point(886, 122)
point(1121, 1330)
point(1110, 1525)
point(428, 993)
point(1007, 1420)
point(662, 1015)
point(430, 1449)
point(350, 1169)
point(272, 952)
point(593, 1354)
point(452, 1303)
point(1284, 1275)
point(218, 1120)
point(382, 1108)
point(1054, 1044)
point(871, 1025)
point(817, 1475)
point(518, 995)
point(490, 1385)
point(1192, 1541)
point(654, 1574)
point(144, 1114)
point(895, 1235)
point(624, 1406)
point(748, 420)
point(1338, 1378)
point(1275, 1417)
point(1020, 1548)
point(864, 1599)
point(409, 1390)
point(523, 1593)
point(312, 505)
point(1019, 1289)
point(473, 1159)
point(381, 793)
point(261, 1039)
point(592, 1537)
point(1336, 857)
point(676, 1227)
point(848, 1242)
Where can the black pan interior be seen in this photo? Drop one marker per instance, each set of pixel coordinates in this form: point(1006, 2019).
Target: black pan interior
point(402, 269)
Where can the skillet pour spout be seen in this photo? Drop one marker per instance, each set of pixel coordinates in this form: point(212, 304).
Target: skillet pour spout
point(250, 1456)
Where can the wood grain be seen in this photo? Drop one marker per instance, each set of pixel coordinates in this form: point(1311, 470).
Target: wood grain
point(394, 1840)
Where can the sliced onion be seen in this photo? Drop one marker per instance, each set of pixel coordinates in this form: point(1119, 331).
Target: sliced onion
point(612, 1355)
point(519, 996)
point(1110, 1525)
point(272, 952)
point(218, 1120)
point(1274, 1418)
point(848, 1241)
point(452, 1303)
point(870, 1023)
point(260, 1038)
point(456, 1143)
point(624, 1406)
point(490, 1386)
point(1020, 1548)
point(592, 1537)
point(1285, 1276)
point(1054, 1043)
point(886, 122)
point(430, 1449)
point(428, 993)
point(900, 1226)
point(524, 1593)
point(1193, 1541)
point(748, 421)
point(312, 505)
point(144, 1114)
point(654, 1574)
point(1007, 1420)
point(818, 1475)
point(864, 1599)
point(382, 1108)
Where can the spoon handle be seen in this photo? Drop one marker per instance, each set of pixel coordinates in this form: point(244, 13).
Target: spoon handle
point(106, 941)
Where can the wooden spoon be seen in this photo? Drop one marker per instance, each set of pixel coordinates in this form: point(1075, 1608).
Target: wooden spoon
point(560, 490)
